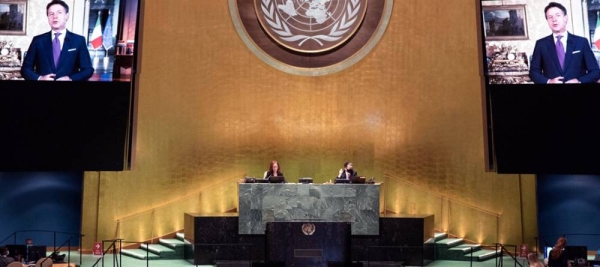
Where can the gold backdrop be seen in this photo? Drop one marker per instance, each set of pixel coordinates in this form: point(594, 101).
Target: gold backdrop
point(409, 114)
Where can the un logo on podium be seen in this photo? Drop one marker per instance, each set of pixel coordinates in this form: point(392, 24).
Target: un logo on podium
point(310, 37)
point(308, 228)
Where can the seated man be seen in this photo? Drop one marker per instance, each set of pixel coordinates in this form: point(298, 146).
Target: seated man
point(4, 258)
point(33, 253)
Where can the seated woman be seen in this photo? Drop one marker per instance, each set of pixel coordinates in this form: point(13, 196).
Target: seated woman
point(274, 170)
point(558, 256)
point(347, 171)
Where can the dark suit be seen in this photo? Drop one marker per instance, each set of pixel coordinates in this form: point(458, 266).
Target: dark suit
point(580, 63)
point(561, 261)
point(351, 172)
point(74, 61)
point(4, 261)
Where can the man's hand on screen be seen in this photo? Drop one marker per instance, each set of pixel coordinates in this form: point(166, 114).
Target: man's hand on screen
point(64, 78)
point(48, 77)
point(556, 80)
point(573, 81)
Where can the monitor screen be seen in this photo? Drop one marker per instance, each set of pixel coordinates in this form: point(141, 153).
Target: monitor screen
point(358, 179)
point(541, 42)
point(68, 73)
point(547, 251)
point(276, 179)
point(576, 252)
point(341, 181)
point(540, 76)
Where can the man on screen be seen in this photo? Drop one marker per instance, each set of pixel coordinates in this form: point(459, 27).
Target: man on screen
point(562, 57)
point(58, 55)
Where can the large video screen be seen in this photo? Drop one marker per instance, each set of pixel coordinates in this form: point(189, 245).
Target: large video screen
point(540, 71)
point(68, 73)
point(541, 42)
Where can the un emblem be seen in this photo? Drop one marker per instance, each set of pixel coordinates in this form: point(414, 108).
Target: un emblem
point(310, 37)
point(310, 26)
point(308, 228)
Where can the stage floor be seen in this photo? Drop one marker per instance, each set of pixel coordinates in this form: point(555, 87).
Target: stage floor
point(89, 260)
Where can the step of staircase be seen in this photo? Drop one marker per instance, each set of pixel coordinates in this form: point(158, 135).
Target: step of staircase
point(162, 251)
point(180, 236)
point(466, 248)
point(157, 249)
point(440, 236)
point(458, 253)
point(435, 238)
point(457, 250)
point(449, 242)
point(167, 248)
point(171, 242)
point(140, 254)
point(483, 254)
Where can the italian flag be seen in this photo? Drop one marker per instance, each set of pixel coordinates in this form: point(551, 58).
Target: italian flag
point(96, 39)
point(597, 31)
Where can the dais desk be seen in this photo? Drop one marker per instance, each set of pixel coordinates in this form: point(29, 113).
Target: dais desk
point(354, 203)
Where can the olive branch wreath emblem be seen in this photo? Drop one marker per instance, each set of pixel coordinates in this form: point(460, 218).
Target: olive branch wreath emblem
point(339, 28)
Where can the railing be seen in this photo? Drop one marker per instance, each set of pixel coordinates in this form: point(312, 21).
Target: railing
point(56, 250)
point(114, 248)
point(54, 233)
point(503, 249)
point(449, 213)
point(128, 226)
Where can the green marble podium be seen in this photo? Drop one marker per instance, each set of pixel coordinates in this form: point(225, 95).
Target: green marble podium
point(354, 203)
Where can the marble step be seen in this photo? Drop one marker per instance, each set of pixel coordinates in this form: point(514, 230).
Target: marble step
point(180, 236)
point(440, 236)
point(459, 252)
point(171, 243)
point(483, 254)
point(466, 248)
point(140, 254)
point(449, 242)
point(157, 249)
point(436, 237)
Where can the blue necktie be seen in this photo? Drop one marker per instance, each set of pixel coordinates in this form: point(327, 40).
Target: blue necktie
point(56, 49)
point(560, 52)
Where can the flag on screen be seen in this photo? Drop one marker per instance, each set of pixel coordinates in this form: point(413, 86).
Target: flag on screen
point(107, 40)
point(96, 39)
point(597, 31)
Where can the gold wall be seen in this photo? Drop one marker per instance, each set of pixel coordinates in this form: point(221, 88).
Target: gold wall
point(210, 112)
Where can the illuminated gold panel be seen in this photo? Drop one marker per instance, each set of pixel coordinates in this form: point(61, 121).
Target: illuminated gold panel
point(210, 112)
